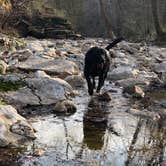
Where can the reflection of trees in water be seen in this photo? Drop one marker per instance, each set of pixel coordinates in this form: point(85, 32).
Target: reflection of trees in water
point(152, 151)
point(67, 140)
point(147, 143)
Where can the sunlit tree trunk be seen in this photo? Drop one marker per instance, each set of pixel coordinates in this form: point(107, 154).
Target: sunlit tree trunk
point(159, 31)
point(155, 17)
point(106, 19)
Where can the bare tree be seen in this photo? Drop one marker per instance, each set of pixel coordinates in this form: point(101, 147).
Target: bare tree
point(160, 33)
point(106, 18)
point(12, 11)
point(5, 10)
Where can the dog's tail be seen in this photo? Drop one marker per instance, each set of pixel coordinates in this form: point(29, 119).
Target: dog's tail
point(113, 43)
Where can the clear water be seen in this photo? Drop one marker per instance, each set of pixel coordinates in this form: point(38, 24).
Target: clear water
point(98, 134)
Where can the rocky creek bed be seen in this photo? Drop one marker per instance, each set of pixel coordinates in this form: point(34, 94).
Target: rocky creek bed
point(47, 117)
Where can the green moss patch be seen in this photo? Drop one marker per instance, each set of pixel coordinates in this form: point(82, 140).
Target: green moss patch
point(11, 86)
point(3, 103)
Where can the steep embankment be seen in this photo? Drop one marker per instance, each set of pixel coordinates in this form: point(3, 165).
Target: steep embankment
point(34, 19)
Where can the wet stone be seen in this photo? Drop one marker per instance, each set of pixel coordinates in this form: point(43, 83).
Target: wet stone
point(135, 91)
point(65, 106)
point(106, 96)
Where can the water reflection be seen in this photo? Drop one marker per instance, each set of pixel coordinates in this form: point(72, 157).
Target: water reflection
point(151, 151)
point(99, 133)
point(94, 125)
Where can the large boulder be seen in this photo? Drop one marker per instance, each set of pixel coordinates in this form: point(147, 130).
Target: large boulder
point(41, 90)
point(60, 67)
point(50, 90)
point(13, 127)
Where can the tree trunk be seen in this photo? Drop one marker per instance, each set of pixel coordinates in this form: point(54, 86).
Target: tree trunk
point(106, 19)
point(158, 28)
point(5, 8)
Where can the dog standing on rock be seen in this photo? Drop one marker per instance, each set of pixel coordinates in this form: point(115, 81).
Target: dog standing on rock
point(97, 63)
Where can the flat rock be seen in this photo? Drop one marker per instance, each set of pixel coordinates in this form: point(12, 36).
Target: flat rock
point(120, 73)
point(160, 68)
point(130, 82)
point(35, 46)
point(59, 67)
point(157, 52)
point(22, 97)
point(128, 47)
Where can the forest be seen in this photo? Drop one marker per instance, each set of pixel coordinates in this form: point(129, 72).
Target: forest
point(137, 20)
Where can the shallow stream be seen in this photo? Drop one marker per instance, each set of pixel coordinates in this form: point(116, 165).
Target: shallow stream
point(98, 134)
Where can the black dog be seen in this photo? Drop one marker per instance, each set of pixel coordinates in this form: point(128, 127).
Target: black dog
point(97, 63)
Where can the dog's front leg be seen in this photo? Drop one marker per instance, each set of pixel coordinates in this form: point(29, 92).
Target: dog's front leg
point(94, 84)
point(101, 82)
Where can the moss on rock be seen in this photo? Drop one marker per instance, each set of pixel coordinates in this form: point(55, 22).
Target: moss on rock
point(11, 86)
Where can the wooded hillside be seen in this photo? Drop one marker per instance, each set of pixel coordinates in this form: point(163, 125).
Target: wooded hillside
point(133, 19)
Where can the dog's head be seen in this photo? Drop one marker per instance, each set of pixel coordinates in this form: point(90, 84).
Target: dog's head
point(119, 39)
